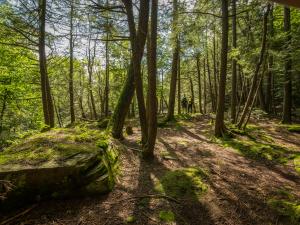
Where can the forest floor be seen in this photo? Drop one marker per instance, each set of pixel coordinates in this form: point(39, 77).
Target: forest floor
point(238, 191)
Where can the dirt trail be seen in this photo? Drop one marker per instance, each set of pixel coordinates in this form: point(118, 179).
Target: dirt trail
point(237, 194)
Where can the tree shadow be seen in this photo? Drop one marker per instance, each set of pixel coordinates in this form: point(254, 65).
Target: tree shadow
point(188, 210)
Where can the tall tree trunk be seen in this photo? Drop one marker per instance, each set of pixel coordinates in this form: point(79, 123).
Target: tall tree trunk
point(212, 98)
point(270, 68)
point(256, 73)
point(192, 95)
point(3, 108)
point(199, 84)
point(174, 74)
point(137, 39)
point(80, 100)
point(106, 90)
point(234, 66)
point(287, 98)
point(137, 57)
point(215, 66)
point(219, 123)
point(152, 114)
point(261, 96)
point(204, 87)
point(71, 73)
point(179, 85)
point(48, 108)
point(123, 105)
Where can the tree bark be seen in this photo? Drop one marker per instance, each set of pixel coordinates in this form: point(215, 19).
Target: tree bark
point(71, 73)
point(48, 108)
point(199, 83)
point(152, 65)
point(179, 85)
point(219, 123)
point(270, 69)
point(287, 98)
point(137, 39)
point(234, 66)
point(174, 74)
point(212, 98)
point(256, 73)
point(204, 87)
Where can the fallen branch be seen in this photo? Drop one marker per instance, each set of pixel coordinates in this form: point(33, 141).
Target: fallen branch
point(18, 215)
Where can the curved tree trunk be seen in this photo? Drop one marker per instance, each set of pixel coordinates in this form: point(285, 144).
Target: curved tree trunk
point(256, 73)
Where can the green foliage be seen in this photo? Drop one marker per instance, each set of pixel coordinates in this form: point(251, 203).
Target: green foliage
point(183, 183)
point(167, 216)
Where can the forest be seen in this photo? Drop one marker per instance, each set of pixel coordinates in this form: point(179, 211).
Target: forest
point(150, 112)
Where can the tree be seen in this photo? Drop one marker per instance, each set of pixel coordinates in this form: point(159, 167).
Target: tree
point(152, 64)
point(45, 86)
point(219, 123)
point(175, 60)
point(287, 97)
point(71, 73)
point(255, 80)
point(234, 65)
point(137, 40)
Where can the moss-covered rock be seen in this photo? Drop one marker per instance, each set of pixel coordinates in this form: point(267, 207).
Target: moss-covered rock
point(58, 163)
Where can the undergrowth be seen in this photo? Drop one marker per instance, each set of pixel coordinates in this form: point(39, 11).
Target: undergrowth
point(286, 205)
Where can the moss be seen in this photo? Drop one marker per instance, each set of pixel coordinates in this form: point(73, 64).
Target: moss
point(297, 163)
point(183, 183)
point(286, 208)
point(52, 145)
point(130, 219)
point(295, 128)
point(259, 150)
point(167, 216)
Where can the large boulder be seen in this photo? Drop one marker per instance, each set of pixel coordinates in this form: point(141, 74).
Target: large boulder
point(57, 163)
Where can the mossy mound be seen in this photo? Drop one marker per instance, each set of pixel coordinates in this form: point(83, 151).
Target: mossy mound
point(183, 183)
point(295, 128)
point(58, 163)
point(288, 209)
point(167, 216)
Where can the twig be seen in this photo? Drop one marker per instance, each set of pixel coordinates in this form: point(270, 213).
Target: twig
point(135, 149)
point(18, 215)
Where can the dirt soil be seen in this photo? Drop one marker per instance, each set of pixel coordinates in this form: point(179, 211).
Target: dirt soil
point(238, 187)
